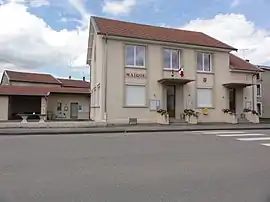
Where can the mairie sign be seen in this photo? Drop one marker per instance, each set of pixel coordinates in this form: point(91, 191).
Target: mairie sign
point(135, 75)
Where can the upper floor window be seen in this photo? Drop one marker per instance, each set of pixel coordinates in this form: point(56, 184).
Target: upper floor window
point(259, 90)
point(204, 62)
point(135, 56)
point(171, 59)
point(258, 76)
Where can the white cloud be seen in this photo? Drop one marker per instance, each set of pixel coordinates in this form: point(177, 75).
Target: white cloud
point(116, 7)
point(235, 3)
point(237, 31)
point(39, 3)
point(33, 44)
point(80, 7)
point(30, 3)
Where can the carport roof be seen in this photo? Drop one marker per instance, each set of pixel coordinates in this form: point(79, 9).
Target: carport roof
point(39, 91)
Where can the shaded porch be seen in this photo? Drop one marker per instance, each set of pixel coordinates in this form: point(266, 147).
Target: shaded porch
point(174, 97)
point(24, 106)
point(238, 99)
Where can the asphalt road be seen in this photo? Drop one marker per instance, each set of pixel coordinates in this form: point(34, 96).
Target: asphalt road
point(143, 167)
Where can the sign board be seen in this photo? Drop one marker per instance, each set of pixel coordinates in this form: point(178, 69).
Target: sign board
point(135, 75)
point(154, 104)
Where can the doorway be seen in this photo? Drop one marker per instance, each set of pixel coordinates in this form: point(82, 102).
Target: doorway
point(171, 100)
point(74, 110)
point(232, 99)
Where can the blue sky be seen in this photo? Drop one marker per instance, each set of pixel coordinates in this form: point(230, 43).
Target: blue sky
point(53, 35)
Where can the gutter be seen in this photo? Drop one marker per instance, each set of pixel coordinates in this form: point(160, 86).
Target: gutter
point(105, 64)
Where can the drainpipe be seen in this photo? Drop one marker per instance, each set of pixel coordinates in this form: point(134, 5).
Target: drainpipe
point(105, 64)
point(253, 91)
point(89, 113)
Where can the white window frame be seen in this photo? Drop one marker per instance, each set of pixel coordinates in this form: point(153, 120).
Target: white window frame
point(209, 106)
point(179, 57)
point(211, 57)
point(260, 95)
point(136, 106)
point(260, 107)
point(134, 56)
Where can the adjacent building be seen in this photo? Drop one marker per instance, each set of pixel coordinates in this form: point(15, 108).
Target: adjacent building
point(263, 95)
point(58, 99)
point(137, 69)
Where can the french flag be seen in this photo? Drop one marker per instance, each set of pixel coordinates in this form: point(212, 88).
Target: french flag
point(181, 71)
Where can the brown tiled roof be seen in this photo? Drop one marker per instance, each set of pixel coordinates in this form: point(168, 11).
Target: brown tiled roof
point(31, 77)
point(140, 31)
point(39, 91)
point(23, 90)
point(74, 83)
point(238, 63)
point(71, 90)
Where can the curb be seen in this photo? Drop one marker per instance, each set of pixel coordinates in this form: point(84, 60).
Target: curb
point(123, 131)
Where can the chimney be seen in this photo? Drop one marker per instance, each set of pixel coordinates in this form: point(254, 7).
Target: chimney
point(83, 78)
point(247, 60)
point(69, 77)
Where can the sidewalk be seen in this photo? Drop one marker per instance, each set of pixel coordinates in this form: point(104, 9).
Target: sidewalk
point(130, 129)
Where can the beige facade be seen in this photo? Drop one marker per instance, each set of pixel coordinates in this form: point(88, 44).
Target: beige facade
point(110, 78)
point(3, 108)
point(263, 98)
point(65, 111)
point(5, 80)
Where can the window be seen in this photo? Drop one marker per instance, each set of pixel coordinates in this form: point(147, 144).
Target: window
point(259, 90)
point(259, 108)
point(80, 108)
point(204, 97)
point(171, 59)
point(135, 56)
point(258, 76)
point(59, 106)
point(135, 96)
point(204, 62)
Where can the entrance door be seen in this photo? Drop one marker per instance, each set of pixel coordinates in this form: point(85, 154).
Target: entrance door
point(171, 101)
point(74, 110)
point(232, 99)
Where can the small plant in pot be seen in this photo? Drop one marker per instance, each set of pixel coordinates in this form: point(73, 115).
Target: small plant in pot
point(162, 112)
point(230, 116)
point(252, 111)
point(228, 111)
point(164, 116)
point(190, 114)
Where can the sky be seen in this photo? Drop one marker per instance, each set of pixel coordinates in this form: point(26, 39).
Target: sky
point(50, 36)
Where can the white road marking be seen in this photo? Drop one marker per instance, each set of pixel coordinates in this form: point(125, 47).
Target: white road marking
point(254, 139)
point(240, 135)
point(267, 145)
point(220, 132)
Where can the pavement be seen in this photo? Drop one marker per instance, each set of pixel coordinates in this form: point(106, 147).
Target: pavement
point(205, 166)
point(131, 129)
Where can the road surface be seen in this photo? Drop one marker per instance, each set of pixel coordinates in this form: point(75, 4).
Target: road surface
point(144, 167)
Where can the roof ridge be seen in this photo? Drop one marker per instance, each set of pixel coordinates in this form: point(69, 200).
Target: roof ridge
point(120, 28)
point(71, 79)
point(146, 25)
point(29, 72)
